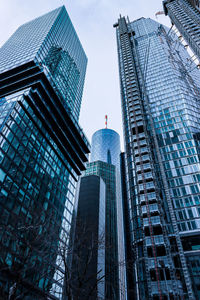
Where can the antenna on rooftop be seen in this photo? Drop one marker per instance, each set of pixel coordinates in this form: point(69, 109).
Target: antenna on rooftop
point(106, 122)
point(159, 13)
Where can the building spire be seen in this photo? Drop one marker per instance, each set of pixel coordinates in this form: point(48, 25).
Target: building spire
point(106, 122)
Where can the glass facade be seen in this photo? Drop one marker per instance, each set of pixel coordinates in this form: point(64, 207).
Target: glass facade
point(105, 147)
point(185, 15)
point(161, 129)
point(107, 173)
point(57, 47)
point(42, 150)
point(89, 240)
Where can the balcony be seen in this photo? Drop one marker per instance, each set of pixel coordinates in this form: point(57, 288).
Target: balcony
point(151, 262)
point(140, 143)
point(152, 208)
point(144, 167)
point(140, 123)
point(158, 240)
point(147, 176)
point(150, 196)
point(154, 221)
point(165, 286)
point(142, 151)
point(140, 135)
point(145, 157)
point(146, 186)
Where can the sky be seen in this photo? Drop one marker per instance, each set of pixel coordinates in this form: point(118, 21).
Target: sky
point(93, 21)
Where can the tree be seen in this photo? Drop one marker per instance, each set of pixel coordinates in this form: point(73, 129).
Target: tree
point(25, 250)
point(30, 245)
point(82, 276)
point(78, 258)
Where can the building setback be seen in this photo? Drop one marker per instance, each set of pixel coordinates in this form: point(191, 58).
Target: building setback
point(42, 149)
point(160, 107)
point(185, 15)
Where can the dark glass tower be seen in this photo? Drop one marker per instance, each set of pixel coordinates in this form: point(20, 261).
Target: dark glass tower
point(160, 107)
point(88, 262)
point(42, 150)
point(107, 173)
point(105, 162)
point(185, 15)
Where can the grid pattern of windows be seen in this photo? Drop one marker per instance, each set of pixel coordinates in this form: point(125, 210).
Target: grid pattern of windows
point(64, 75)
point(106, 147)
point(175, 110)
point(56, 30)
point(42, 151)
point(185, 15)
point(32, 178)
point(108, 174)
point(161, 126)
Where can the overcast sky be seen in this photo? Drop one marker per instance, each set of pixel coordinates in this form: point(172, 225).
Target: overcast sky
point(93, 20)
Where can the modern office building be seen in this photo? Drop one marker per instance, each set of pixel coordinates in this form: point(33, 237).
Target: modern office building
point(105, 162)
point(88, 262)
point(53, 44)
point(185, 15)
point(43, 150)
point(105, 146)
point(107, 173)
point(160, 107)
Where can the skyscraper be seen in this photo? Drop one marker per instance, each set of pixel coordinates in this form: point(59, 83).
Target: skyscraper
point(88, 257)
point(52, 42)
point(105, 162)
point(105, 146)
point(185, 15)
point(43, 150)
point(161, 129)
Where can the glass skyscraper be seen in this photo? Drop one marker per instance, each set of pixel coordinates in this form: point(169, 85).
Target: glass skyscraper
point(53, 43)
point(185, 15)
point(107, 173)
point(105, 162)
point(88, 256)
point(42, 151)
point(105, 146)
point(160, 107)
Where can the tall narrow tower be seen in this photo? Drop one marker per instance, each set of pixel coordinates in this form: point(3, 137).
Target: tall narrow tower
point(161, 131)
point(105, 162)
